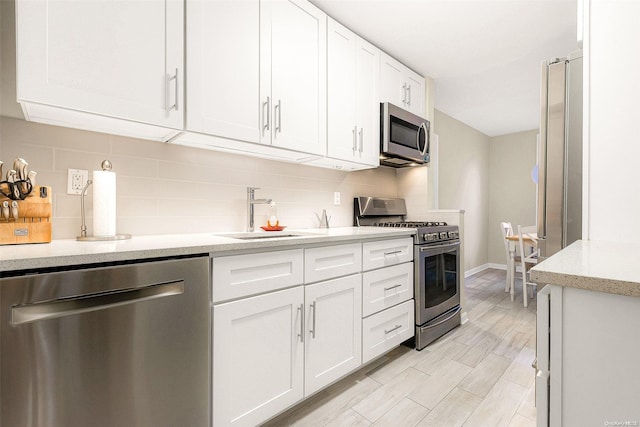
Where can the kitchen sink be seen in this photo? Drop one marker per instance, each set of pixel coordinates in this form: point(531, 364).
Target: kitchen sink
point(263, 235)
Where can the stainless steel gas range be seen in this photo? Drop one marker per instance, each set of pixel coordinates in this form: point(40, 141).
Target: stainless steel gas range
point(436, 264)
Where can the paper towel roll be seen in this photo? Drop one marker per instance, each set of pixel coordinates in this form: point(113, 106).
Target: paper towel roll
point(104, 203)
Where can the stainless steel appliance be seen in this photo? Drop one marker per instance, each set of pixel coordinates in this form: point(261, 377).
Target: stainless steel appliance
point(114, 345)
point(560, 154)
point(404, 137)
point(436, 265)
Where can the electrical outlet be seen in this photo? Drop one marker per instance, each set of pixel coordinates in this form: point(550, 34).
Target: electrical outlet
point(336, 198)
point(76, 180)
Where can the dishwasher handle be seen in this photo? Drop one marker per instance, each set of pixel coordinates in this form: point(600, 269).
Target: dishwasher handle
point(86, 303)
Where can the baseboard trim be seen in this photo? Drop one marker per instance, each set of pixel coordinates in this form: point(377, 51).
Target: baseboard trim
point(464, 318)
point(476, 270)
point(498, 266)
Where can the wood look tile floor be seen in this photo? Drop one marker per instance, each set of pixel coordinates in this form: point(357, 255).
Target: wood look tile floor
point(479, 374)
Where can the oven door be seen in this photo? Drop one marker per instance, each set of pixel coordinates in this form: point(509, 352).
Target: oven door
point(437, 279)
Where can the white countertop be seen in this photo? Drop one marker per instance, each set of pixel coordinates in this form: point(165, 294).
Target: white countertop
point(612, 267)
point(71, 252)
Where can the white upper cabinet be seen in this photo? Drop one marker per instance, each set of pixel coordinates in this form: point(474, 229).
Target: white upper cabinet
point(353, 112)
point(401, 86)
point(223, 57)
point(104, 59)
point(293, 75)
point(257, 74)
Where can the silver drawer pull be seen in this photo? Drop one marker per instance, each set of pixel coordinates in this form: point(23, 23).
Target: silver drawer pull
point(392, 287)
point(392, 329)
point(393, 252)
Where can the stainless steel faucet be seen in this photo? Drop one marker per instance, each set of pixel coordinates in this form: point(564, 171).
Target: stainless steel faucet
point(251, 200)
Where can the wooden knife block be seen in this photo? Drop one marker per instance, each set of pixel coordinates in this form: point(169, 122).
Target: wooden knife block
point(34, 219)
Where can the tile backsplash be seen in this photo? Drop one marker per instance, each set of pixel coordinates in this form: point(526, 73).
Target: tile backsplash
point(165, 189)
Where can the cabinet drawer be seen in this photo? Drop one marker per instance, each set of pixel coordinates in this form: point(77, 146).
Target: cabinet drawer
point(386, 287)
point(242, 275)
point(386, 252)
point(332, 261)
point(387, 329)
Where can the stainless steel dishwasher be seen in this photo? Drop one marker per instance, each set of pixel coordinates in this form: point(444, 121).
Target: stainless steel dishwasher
point(111, 346)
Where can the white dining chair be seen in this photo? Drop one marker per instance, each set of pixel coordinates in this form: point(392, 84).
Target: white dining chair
point(527, 244)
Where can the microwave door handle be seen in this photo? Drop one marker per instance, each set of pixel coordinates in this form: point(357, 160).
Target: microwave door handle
point(426, 135)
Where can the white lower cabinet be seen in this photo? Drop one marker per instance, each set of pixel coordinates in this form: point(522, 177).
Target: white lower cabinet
point(257, 357)
point(286, 324)
point(385, 330)
point(333, 330)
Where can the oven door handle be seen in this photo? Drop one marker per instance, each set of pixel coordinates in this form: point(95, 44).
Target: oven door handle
point(445, 245)
point(451, 315)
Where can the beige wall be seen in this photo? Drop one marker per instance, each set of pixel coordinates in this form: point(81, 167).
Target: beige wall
point(463, 181)
point(512, 192)
point(164, 188)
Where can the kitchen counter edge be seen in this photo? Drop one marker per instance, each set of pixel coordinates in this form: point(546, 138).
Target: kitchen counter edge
point(601, 266)
point(70, 252)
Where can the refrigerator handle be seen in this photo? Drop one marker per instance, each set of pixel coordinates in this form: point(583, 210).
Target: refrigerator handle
point(542, 156)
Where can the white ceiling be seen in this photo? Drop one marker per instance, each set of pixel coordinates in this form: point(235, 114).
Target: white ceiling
point(484, 56)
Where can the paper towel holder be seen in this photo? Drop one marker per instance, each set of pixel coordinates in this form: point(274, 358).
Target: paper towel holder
point(106, 166)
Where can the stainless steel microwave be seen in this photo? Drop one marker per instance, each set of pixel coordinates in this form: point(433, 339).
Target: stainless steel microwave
point(404, 137)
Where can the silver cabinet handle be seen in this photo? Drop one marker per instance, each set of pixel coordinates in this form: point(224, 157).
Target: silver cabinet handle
point(86, 303)
point(355, 140)
point(404, 93)
point(392, 329)
point(393, 252)
point(392, 287)
point(266, 117)
point(409, 95)
point(278, 108)
point(166, 92)
point(313, 320)
point(301, 313)
point(361, 135)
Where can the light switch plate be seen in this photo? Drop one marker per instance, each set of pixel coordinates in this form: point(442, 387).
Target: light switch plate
point(336, 198)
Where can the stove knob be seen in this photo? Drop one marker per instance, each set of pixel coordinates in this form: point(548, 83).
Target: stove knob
point(443, 235)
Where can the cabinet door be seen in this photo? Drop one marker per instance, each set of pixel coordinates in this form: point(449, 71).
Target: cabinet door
point(223, 68)
point(333, 338)
point(293, 48)
point(341, 92)
point(120, 59)
point(415, 93)
point(367, 102)
point(392, 81)
point(257, 357)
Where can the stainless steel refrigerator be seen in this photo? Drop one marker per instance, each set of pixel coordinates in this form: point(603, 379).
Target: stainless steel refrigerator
point(560, 154)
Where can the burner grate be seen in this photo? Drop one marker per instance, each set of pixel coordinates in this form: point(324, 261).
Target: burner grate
point(410, 224)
